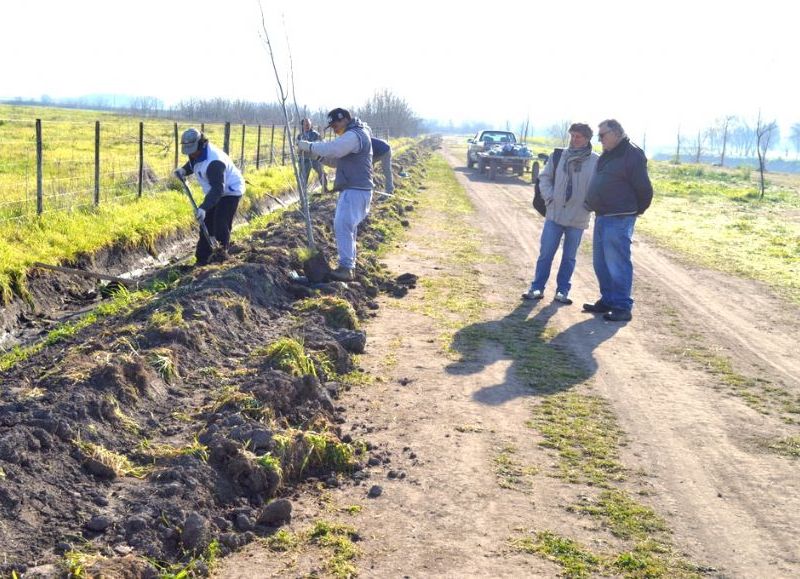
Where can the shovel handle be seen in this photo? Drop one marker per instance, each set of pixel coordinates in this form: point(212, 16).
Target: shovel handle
point(203, 229)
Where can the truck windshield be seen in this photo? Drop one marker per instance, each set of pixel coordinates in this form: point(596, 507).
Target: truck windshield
point(498, 137)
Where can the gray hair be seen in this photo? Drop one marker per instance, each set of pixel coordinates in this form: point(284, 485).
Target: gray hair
point(613, 125)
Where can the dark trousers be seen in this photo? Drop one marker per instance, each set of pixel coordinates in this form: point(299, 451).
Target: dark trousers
point(219, 221)
point(305, 170)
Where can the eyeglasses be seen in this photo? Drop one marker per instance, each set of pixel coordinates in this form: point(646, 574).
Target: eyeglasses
point(601, 135)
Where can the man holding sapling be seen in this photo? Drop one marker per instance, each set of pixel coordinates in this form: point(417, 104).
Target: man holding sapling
point(306, 162)
point(351, 154)
point(619, 192)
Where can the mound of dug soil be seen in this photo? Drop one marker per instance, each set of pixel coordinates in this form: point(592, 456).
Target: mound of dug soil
point(153, 441)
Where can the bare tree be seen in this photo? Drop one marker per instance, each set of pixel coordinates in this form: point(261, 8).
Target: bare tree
point(387, 111)
point(699, 145)
point(766, 136)
point(743, 139)
point(301, 186)
point(795, 139)
point(719, 135)
point(677, 159)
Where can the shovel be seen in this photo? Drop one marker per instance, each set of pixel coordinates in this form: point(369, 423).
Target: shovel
point(203, 229)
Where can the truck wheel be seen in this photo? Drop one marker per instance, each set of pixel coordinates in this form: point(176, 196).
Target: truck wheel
point(493, 171)
point(481, 166)
point(470, 162)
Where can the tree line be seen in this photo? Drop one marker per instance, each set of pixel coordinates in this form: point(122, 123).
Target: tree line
point(385, 111)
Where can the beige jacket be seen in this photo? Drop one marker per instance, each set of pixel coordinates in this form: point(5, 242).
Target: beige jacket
point(570, 213)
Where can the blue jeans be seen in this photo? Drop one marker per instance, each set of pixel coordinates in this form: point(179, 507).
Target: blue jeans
point(612, 259)
point(551, 238)
point(351, 209)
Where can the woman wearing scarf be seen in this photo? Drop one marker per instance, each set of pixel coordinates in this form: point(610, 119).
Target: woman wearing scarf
point(564, 192)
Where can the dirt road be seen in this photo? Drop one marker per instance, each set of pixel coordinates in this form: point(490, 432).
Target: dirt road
point(701, 382)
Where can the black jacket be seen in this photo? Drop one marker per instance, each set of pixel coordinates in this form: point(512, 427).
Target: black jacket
point(620, 185)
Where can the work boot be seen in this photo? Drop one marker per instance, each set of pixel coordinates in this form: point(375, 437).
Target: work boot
point(597, 307)
point(618, 316)
point(342, 273)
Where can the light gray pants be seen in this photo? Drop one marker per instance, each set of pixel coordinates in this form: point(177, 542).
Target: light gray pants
point(351, 209)
point(386, 167)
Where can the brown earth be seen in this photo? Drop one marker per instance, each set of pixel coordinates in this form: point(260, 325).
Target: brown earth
point(180, 385)
point(695, 434)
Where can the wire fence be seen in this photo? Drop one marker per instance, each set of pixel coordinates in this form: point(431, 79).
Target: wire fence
point(60, 165)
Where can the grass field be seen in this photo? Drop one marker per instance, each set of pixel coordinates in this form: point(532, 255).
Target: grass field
point(68, 148)
point(713, 217)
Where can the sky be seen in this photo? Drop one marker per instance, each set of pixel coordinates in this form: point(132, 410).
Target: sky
point(655, 66)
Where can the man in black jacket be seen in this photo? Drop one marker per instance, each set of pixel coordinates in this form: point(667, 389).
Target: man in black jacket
point(619, 192)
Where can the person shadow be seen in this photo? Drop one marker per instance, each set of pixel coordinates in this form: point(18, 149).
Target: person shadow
point(543, 360)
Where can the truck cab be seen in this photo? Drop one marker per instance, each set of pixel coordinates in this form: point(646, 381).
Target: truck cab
point(484, 140)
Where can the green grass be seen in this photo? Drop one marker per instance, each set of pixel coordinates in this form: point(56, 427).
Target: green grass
point(166, 451)
point(758, 393)
point(123, 301)
point(68, 137)
point(713, 217)
point(452, 300)
point(623, 516)
point(289, 355)
point(338, 313)
point(121, 465)
point(297, 451)
point(509, 473)
point(338, 540)
point(583, 431)
point(334, 539)
point(789, 446)
point(575, 560)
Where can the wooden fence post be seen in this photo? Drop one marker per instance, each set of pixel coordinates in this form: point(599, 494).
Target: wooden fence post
point(226, 142)
point(97, 163)
point(39, 179)
point(241, 153)
point(141, 156)
point(177, 148)
point(272, 147)
point(258, 148)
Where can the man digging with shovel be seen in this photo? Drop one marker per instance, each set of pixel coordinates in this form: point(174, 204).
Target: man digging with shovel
point(351, 154)
point(223, 187)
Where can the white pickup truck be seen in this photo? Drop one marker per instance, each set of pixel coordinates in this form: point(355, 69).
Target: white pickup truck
point(485, 140)
point(496, 152)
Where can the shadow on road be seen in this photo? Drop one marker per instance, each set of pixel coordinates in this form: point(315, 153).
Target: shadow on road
point(543, 361)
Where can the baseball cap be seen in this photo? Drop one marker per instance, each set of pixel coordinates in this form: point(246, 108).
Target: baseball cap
point(190, 141)
point(337, 115)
